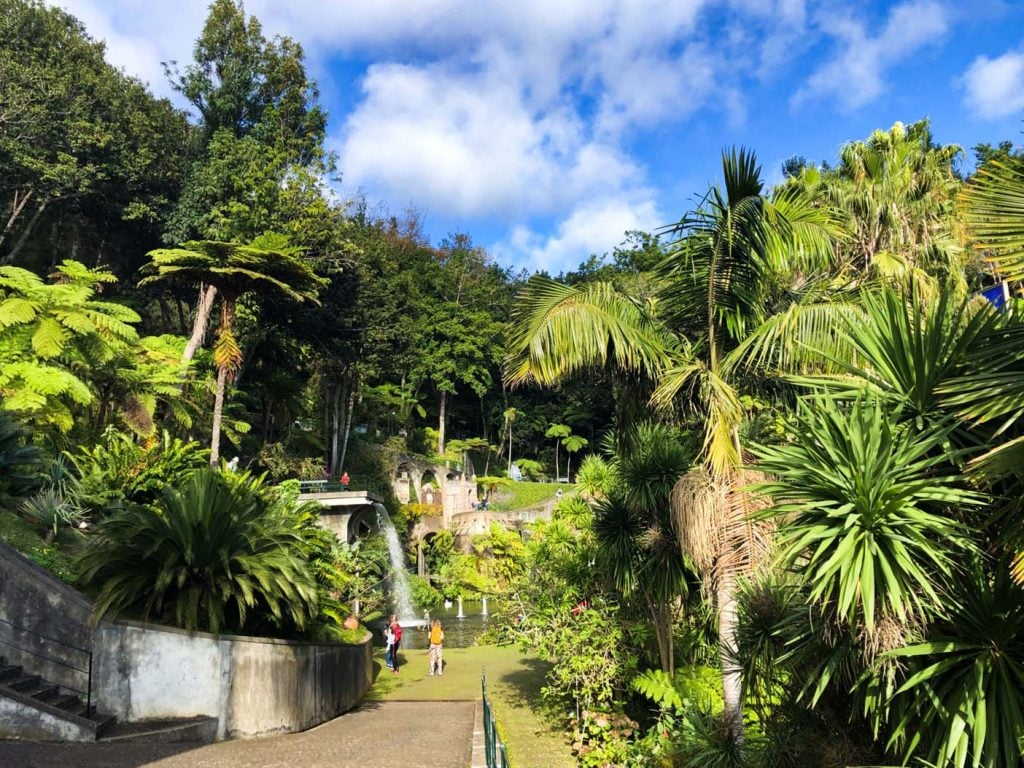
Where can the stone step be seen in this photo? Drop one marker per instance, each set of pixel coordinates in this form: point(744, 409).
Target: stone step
point(9, 672)
point(48, 694)
point(24, 682)
point(201, 730)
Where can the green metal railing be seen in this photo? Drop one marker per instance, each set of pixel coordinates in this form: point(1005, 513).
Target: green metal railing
point(493, 745)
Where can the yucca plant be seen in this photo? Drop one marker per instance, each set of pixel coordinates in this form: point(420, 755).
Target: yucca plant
point(212, 554)
point(49, 511)
point(962, 702)
point(864, 506)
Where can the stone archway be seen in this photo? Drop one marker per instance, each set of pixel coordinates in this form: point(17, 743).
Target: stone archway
point(362, 522)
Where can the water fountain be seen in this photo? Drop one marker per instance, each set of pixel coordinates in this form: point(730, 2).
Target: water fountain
point(484, 611)
point(461, 614)
point(401, 593)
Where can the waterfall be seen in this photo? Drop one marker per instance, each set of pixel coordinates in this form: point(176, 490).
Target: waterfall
point(401, 594)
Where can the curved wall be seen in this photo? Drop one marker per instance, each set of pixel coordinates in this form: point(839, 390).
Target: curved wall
point(253, 686)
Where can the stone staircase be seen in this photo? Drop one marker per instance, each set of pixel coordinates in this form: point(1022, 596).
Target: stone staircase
point(34, 700)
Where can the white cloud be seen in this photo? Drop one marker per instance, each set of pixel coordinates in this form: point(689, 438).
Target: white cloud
point(595, 226)
point(141, 35)
point(470, 145)
point(524, 110)
point(994, 88)
point(857, 75)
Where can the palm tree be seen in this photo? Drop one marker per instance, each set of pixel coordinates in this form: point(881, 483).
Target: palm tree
point(558, 432)
point(635, 530)
point(215, 551)
point(896, 193)
point(736, 289)
point(267, 265)
point(992, 209)
point(572, 443)
point(510, 415)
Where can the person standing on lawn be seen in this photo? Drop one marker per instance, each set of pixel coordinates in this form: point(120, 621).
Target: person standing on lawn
point(396, 631)
point(436, 640)
point(389, 644)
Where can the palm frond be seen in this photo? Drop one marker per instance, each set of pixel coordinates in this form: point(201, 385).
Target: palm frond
point(992, 207)
point(558, 330)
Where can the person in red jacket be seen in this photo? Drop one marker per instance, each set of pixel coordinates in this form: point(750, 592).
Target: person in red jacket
point(396, 629)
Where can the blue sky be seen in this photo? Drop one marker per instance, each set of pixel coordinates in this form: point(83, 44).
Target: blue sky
point(546, 128)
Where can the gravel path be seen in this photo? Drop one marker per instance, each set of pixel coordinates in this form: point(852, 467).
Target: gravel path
point(434, 733)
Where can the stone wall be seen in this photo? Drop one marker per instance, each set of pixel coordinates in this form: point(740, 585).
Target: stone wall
point(253, 686)
point(44, 623)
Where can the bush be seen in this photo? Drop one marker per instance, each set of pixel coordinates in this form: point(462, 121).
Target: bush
point(214, 555)
point(118, 471)
point(20, 461)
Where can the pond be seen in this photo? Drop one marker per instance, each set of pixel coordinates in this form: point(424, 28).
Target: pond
point(458, 633)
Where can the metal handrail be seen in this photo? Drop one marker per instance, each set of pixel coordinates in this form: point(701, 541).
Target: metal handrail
point(86, 670)
point(494, 747)
point(333, 486)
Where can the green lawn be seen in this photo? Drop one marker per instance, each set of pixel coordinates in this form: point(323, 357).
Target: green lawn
point(523, 494)
point(513, 684)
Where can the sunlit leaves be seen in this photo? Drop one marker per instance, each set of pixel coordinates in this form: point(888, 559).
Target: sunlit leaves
point(992, 206)
point(864, 506)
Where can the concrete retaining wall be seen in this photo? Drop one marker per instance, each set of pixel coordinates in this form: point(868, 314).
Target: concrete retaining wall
point(252, 686)
point(44, 623)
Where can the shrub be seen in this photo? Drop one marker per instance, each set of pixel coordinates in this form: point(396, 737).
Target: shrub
point(212, 555)
point(20, 461)
point(119, 471)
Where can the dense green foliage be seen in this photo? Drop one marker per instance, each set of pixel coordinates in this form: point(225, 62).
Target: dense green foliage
point(206, 557)
point(794, 535)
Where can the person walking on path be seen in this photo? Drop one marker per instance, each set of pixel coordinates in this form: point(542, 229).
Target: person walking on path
point(436, 640)
point(344, 479)
point(389, 642)
point(396, 631)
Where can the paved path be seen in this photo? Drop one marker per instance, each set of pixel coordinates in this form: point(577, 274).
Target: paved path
point(434, 733)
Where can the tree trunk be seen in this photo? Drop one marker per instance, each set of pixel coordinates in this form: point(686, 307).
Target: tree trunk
point(26, 232)
point(204, 306)
point(440, 422)
point(558, 474)
point(328, 455)
point(17, 206)
point(165, 311)
point(225, 368)
point(348, 423)
point(335, 393)
point(218, 415)
point(732, 683)
point(661, 617)
point(182, 325)
point(510, 447)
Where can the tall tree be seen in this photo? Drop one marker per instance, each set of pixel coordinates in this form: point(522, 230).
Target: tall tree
point(734, 287)
point(267, 265)
point(260, 157)
point(82, 145)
